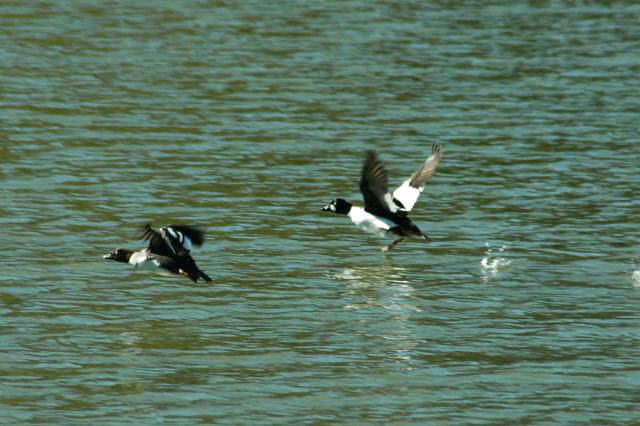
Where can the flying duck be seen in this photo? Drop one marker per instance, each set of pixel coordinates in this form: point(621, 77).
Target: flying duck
point(169, 249)
point(385, 213)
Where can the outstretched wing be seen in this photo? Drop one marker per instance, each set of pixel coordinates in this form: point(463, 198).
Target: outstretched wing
point(158, 244)
point(406, 195)
point(170, 240)
point(185, 235)
point(374, 187)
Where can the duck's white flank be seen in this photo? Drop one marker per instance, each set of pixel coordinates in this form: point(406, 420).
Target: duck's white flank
point(143, 259)
point(368, 222)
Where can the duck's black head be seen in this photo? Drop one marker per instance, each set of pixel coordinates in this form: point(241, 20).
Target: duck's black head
point(338, 206)
point(119, 255)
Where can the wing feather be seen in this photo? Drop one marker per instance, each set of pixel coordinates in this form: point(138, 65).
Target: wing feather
point(158, 243)
point(406, 195)
point(194, 234)
point(170, 240)
point(374, 187)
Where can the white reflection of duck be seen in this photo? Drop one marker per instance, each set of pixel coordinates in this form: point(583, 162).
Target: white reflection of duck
point(382, 286)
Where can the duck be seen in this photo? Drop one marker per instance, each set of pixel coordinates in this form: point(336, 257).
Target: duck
point(169, 249)
point(386, 213)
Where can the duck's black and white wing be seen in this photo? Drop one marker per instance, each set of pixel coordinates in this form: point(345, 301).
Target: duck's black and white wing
point(406, 195)
point(374, 187)
point(170, 240)
point(158, 244)
point(183, 237)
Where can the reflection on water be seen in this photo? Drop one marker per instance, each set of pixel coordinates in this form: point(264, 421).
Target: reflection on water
point(380, 286)
point(373, 276)
point(130, 343)
point(385, 292)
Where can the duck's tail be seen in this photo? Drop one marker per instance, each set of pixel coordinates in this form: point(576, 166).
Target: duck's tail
point(204, 276)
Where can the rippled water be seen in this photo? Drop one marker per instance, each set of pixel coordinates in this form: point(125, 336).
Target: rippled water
point(246, 118)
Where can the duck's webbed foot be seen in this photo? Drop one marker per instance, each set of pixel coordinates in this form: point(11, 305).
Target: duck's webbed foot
point(392, 245)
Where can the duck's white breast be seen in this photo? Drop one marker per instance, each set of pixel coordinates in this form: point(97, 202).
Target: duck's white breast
point(368, 222)
point(143, 260)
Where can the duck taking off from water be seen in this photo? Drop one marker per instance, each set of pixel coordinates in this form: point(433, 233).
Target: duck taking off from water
point(385, 213)
point(169, 249)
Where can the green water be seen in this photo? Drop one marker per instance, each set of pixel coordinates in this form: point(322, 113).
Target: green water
point(246, 118)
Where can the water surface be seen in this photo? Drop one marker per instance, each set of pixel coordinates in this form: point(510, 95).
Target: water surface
point(246, 119)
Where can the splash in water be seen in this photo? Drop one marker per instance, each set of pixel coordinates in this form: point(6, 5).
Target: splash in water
point(635, 278)
point(493, 262)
